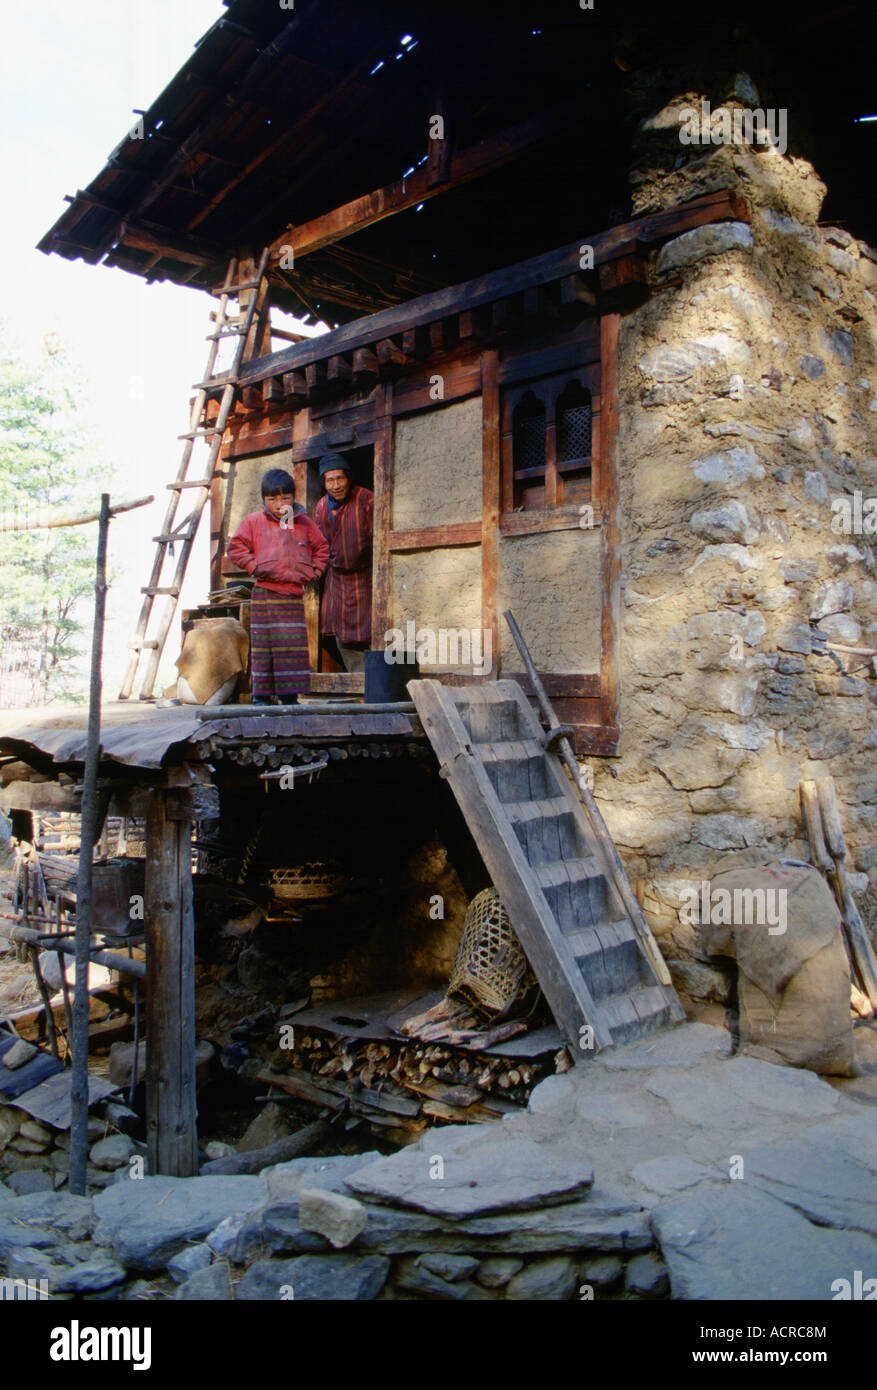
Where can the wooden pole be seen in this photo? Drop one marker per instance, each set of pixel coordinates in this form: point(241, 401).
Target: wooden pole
point(171, 1130)
point(75, 520)
point(88, 835)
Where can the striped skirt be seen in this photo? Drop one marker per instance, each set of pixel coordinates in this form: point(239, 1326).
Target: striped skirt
point(278, 644)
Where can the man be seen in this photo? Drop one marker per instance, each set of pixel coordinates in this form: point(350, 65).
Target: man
point(345, 515)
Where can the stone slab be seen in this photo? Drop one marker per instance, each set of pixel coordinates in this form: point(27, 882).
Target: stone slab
point(489, 1173)
point(734, 1242)
point(148, 1220)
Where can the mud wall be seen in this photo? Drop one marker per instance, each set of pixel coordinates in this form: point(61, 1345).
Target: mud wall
point(437, 466)
point(553, 586)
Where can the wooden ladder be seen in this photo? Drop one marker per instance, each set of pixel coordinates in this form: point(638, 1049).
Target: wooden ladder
point(184, 532)
point(596, 960)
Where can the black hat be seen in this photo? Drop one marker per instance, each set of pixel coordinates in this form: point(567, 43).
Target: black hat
point(329, 462)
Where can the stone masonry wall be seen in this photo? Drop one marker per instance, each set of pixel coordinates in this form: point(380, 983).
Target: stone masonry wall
point(748, 406)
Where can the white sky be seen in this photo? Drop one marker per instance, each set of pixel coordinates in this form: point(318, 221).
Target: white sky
point(70, 76)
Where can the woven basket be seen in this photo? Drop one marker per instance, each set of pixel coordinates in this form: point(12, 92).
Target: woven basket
point(311, 880)
point(490, 969)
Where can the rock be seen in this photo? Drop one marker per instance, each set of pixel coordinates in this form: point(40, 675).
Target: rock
point(147, 1220)
point(112, 1152)
point(269, 1126)
point(62, 1212)
point(819, 1180)
point(449, 1267)
point(30, 1180)
point(19, 1053)
point(412, 1277)
point(841, 261)
point(340, 1219)
point(10, 1123)
point(27, 1146)
point(122, 1063)
point(840, 342)
point(120, 1117)
point(481, 1173)
point(495, 1272)
point(32, 1129)
point(6, 1192)
point(240, 1237)
point(210, 1283)
point(319, 1278)
point(815, 487)
point(729, 522)
point(711, 240)
point(683, 1046)
point(88, 1277)
point(217, 1149)
point(285, 1179)
point(647, 1276)
point(832, 596)
point(731, 1241)
point(841, 627)
point(795, 638)
point(544, 1280)
point(672, 1174)
point(602, 1273)
point(189, 1261)
point(812, 367)
point(731, 467)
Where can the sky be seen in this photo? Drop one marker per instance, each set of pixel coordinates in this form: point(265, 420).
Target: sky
point(71, 76)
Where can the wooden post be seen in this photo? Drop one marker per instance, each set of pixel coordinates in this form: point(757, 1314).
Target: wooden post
point(490, 500)
point(89, 831)
point(171, 1131)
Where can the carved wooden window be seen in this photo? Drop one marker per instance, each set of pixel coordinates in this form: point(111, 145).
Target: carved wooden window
point(548, 442)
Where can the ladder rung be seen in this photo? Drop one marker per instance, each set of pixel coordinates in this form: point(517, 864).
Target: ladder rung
point(234, 290)
point(140, 644)
point(197, 434)
point(172, 537)
point(202, 482)
point(224, 333)
point(154, 590)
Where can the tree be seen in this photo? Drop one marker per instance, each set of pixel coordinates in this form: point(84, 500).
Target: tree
point(46, 467)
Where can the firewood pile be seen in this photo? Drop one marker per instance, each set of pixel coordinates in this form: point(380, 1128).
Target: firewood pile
point(406, 1085)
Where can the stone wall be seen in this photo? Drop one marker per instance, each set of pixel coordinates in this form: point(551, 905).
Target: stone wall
point(748, 415)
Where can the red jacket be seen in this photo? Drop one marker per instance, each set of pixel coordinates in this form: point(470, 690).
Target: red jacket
point(279, 559)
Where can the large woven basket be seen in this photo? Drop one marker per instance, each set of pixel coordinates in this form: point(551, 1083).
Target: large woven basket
point(311, 880)
point(490, 969)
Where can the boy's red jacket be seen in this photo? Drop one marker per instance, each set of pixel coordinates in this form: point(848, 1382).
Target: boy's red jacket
point(279, 559)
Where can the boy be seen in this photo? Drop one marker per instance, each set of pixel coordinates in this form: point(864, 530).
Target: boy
point(345, 515)
point(282, 549)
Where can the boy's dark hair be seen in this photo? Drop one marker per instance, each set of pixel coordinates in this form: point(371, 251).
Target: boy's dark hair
point(275, 481)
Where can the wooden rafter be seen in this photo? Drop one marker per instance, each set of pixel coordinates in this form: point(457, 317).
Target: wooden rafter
point(462, 167)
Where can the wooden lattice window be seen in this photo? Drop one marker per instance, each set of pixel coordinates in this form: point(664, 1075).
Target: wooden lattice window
point(548, 441)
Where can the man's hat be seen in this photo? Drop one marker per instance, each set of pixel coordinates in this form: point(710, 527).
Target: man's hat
point(329, 462)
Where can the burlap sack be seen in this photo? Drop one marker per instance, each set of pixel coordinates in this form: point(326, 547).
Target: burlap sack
point(794, 986)
point(214, 654)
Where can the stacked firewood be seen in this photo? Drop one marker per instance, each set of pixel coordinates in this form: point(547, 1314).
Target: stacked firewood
point(406, 1085)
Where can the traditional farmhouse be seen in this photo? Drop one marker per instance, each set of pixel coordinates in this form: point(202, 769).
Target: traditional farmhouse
point(603, 349)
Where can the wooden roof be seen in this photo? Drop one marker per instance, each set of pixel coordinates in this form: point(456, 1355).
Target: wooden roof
point(315, 119)
point(280, 116)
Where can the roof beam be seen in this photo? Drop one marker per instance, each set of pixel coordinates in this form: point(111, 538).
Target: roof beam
point(464, 166)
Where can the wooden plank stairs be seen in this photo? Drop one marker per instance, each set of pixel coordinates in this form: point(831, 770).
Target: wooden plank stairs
point(596, 960)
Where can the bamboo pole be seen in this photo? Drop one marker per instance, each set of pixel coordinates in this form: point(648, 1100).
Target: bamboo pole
point(76, 520)
point(88, 835)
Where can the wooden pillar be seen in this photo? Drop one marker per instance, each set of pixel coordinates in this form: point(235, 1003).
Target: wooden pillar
point(490, 504)
point(382, 484)
point(610, 535)
point(171, 1129)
